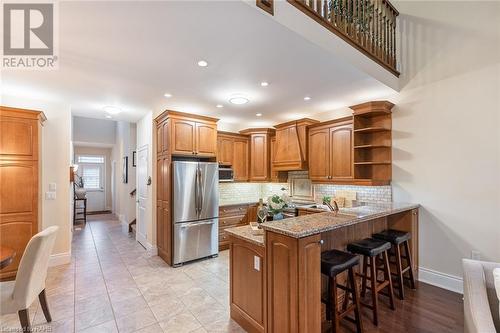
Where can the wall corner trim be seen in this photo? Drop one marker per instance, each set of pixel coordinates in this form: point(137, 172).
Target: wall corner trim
point(441, 280)
point(59, 259)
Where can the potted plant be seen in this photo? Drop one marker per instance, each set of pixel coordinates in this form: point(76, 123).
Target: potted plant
point(276, 203)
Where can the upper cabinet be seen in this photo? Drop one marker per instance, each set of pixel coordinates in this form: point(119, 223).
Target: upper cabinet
point(191, 134)
point(260, 153)
point(232, 149)
point(290, 151)
point(353, 150)
point(330, 151)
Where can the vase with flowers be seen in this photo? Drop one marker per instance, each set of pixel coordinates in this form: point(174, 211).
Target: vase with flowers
point(276, 203)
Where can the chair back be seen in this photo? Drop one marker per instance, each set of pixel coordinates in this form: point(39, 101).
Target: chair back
point(32, 271)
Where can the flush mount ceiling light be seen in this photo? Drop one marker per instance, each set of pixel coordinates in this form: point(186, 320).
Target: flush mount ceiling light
point(108, 117)
point(238, 100)
point(264, 84)
point(112, 109)
point(219, 106)
point(307, 98)
point(167, 95)
point(202, 63)
point(258, 114)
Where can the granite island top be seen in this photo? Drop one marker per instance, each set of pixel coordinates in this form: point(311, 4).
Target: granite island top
point(245, 232)
point(307, 225)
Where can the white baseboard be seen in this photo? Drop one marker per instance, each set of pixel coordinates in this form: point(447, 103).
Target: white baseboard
point(441, 280)
point(59, 259)
point(151, 249)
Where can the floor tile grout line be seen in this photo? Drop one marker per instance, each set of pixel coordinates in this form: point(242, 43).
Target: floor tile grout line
point(105, 284)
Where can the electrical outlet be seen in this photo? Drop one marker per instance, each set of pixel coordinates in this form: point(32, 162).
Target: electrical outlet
point(50, 195)
point(475, 255)
point(256, 263)
point(52, 187)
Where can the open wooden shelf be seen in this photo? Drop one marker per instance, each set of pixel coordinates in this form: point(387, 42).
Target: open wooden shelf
point(373, 163)
point(371, 146)
point(372, 129)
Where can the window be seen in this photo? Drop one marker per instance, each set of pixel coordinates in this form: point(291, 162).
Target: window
point(90, 159)
point(91, 175)
point(91, 169)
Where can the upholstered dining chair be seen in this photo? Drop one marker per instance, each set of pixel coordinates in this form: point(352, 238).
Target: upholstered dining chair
point(18, 295)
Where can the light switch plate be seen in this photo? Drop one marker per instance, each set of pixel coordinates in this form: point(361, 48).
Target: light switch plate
point(256, 263)
point(50, 195)
point(52, 187)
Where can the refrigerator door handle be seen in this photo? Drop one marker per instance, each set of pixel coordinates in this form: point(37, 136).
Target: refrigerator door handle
point(198, 191)
point(201, 191)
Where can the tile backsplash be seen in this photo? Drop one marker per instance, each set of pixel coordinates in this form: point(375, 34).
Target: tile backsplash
point(233, 193)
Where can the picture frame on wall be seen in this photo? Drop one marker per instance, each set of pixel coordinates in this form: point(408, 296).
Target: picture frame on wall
point(125, 170)
point(134, 159)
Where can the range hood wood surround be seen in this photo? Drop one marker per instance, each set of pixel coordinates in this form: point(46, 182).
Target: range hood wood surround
point(291, 145)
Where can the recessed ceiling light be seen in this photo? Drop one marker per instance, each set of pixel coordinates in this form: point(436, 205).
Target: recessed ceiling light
point(202, 63)
point(167, 95)
point(307, 98)
point(264, 84)
point(219, 106)
point(112, 109)
point(108, 116)
point(258, 114)
point(238, 100)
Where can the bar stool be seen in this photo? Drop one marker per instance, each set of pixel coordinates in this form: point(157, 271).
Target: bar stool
point(396, 238)
point(334, 262)
point(371, 249)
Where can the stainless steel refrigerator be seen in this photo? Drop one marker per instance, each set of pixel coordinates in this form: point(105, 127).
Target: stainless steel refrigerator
point(195, 210)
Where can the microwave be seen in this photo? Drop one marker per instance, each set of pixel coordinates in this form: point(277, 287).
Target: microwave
point(226, 174)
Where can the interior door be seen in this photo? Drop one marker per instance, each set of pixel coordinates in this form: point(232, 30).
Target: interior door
point(142, 194)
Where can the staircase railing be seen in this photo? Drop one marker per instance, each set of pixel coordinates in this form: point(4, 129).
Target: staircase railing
point(368, 25)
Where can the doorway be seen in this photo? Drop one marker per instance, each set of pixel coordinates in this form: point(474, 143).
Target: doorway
point(143, 181)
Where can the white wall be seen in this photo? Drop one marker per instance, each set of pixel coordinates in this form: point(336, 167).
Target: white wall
point(145, 138)
point(56, 159)
point(125, 145)
point(94, 130)
point(446, 131)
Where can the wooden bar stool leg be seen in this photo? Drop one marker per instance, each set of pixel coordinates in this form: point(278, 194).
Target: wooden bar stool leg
point(345, 303)
point(410, 264)
point(363, 280)
point(355, 300)
point(399, 272)
point(373, 278)
point(334, 300)
point(387, 273)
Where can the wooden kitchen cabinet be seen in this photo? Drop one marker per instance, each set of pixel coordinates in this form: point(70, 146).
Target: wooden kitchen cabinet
point(232, 149)
point(192, 134)
point(20, 213)
point(231, 216)
point(331, 151)
point(260, 153)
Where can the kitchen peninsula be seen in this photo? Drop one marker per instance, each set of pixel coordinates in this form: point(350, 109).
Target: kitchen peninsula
point(275, 278)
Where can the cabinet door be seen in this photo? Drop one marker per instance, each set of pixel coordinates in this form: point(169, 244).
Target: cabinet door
point(225, 151)
point(183, 137)
point(206, 139)
point(163, 138)
point(240, 160)
point(319, 154)
point(341, 154)
point(163, 223)
point(259, 157)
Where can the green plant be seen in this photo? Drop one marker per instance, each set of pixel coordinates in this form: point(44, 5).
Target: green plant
point(326, 199)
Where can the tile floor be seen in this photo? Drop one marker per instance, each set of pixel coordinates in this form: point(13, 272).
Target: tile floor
point(113, 285)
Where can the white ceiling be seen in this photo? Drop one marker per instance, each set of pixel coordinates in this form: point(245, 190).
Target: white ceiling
point(129, 54)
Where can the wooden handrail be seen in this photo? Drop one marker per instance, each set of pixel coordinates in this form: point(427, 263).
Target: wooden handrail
point(368, 25)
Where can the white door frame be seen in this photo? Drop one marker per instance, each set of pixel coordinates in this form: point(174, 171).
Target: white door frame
point(142, 196)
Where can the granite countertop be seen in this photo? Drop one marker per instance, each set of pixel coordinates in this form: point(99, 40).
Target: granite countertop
point(236, 202)
point(245, 233)
point(307, 225)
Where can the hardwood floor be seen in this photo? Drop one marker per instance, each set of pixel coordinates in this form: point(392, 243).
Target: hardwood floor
point(428, 309)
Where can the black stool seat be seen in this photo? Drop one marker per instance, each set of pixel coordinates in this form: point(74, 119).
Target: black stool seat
point(393, 236)
point(370, 247)
point(334, 262)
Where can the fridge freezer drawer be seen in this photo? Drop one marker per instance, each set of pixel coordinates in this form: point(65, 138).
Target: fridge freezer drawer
point(194, 240)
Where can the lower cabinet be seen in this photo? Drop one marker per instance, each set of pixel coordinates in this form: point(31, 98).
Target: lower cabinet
point(248, 285)
point(233, 216)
